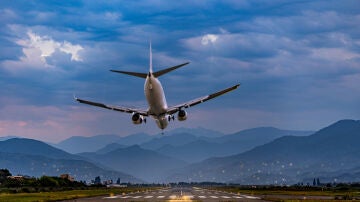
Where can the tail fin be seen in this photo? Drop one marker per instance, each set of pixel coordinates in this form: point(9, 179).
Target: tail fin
point(150, 65)
point(156, 74)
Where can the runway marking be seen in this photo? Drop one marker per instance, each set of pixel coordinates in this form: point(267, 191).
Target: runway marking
point(202, 196)
point(237, 197)
point(225, 197)
point(251, 197)
point(111, 197)
point(137, 196)
point(124, 196)
point(161, 197)
point(172, 197)
point(148, 196)
point(214, 197)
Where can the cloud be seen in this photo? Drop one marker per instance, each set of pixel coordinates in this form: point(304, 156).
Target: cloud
point(37, 49)
point(48, 46)
point(209, 38)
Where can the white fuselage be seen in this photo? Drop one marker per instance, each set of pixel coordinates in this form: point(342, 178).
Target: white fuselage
point(155, 97)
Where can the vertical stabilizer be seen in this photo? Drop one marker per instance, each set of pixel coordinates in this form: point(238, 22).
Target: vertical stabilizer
point(151, 69)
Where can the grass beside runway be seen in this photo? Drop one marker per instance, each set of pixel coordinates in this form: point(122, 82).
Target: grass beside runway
point(67, 195)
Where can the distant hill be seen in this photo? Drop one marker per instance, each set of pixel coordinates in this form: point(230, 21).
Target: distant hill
point(33, 147)
point(145, 164)
point(8, 137)
point(199, 132)
point(259, 135)
point(39, 165)
point(109, 148)
point(287, 159)
point(35, 158)
point(135, 139)
point(176, 139)
point(77, 144)
point(192, 149)
point(80, 144)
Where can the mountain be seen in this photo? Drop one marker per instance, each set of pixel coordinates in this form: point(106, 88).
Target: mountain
point(193, 149)
point(109, 148)
point(39, 165)
point(33, 147)
point(7, 137)
point(176, 139)
point(199, 132)
point(134, 139)
point(142, 163)
point(79, 144)
point(35, 158)
point(286, 160)
point(260, 135)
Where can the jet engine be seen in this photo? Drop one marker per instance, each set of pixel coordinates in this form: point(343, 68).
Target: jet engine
point(137, 118)
point(182, 115)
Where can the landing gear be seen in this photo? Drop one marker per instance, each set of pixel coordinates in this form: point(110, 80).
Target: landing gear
point(171, 117)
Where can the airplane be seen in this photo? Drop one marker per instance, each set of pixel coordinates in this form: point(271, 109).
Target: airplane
point(154, 93)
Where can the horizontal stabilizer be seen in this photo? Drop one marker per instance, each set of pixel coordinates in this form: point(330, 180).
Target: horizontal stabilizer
point(164, 71)
point(141, 75)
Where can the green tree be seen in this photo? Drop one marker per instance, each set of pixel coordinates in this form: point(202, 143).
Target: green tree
point(47, 181)
point(97, 180)
point(4, 173)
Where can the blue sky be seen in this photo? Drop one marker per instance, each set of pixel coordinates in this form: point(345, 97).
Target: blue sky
point(298, 63)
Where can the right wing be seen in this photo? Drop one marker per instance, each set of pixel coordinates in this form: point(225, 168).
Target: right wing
point(115, 108)
point(176, 108)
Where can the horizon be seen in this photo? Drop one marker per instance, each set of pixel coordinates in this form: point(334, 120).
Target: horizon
point(297, 62)
point(175, 131)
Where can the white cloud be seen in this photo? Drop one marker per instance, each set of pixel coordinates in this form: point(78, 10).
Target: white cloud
point(37, 48)
point(209, 38)
point(71, 49)
point(48, 46)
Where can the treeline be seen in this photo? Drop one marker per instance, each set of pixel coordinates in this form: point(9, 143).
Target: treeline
point(14, 184)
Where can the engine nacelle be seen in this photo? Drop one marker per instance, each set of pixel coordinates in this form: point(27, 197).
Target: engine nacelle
point(182, 115)
point(137, 118)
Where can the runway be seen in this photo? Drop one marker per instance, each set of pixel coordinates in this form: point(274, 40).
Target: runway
point(177, 194)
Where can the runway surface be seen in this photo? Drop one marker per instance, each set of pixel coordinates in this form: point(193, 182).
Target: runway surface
point(176, 194)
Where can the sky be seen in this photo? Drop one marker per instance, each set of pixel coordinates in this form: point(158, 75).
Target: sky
point(298, 63)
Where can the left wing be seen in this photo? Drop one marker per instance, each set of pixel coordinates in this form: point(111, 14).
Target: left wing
point(115, 108)
point(176, 108)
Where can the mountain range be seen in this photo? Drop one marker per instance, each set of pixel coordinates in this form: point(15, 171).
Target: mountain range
point(330, 153)
point(134, 160)
point(35, 158)
point(263, 155)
